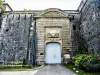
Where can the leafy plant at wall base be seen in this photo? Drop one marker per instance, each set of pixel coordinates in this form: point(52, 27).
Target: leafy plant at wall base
point(90, 63)
point(77, 59)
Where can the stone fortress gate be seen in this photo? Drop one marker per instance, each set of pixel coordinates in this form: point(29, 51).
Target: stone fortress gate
point(53, 36)
point(48, 36)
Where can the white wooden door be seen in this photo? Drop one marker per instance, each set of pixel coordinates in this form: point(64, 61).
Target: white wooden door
point(53, 53)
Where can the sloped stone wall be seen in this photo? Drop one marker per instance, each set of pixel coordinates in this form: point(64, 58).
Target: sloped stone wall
point(90, 24)
point(14, 35)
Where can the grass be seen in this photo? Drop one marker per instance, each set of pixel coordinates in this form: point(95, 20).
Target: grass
point(81, 72)
point(27, 67)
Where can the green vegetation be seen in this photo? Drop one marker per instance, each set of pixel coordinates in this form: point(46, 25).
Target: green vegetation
point(2, 6)
point(85, 64)
point(71, 66)
point(90, 62)
point(76, 59)
point(16, 67)
point(25, 11)
point(1, 2)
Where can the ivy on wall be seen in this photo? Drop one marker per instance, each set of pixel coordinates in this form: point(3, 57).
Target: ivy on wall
point(2, 6)
point(1, 2)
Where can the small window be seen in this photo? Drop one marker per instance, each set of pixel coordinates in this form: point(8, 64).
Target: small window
point(41, 53)
point(74, 27)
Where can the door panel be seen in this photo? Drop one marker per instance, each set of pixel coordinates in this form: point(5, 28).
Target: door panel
point(53, 53)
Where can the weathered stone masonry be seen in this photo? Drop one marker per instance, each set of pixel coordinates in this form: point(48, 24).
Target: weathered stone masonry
point(24, 35)
point(14, 37)
point(90, 24)
point(56, 21)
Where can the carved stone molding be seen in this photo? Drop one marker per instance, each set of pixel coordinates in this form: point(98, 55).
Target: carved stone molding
point(53, 12)
point(53, 33)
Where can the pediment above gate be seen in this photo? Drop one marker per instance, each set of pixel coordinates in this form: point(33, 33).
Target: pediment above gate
point(53, 12)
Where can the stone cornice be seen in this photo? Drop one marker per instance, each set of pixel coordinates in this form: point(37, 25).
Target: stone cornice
point(52, 12)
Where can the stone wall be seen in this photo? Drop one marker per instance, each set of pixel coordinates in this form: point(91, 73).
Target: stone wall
point(75, 32)
point(14, 37)
point(53, 23)
point(23, 36)
point(90, 24)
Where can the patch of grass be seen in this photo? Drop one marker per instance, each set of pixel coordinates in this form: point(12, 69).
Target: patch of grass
point(26, 67)
point(81, 72)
